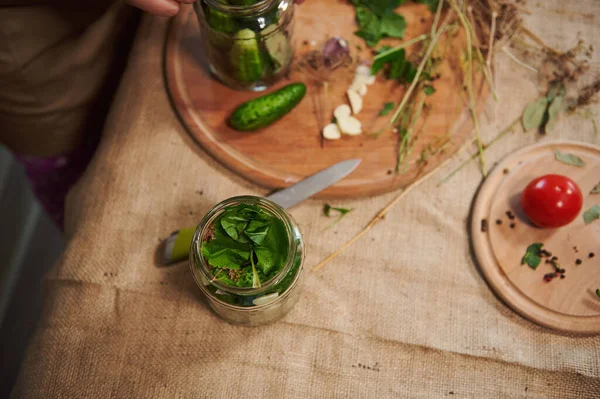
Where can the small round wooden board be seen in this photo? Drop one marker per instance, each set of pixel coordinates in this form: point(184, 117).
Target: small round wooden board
point(569, 304)
point(292, 149)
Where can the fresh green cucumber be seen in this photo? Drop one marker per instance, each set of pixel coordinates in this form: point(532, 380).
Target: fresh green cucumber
point(263, 111)
point(245, 57)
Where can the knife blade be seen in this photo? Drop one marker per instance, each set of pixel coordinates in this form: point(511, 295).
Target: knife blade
point(176, 247)
point(308, 187)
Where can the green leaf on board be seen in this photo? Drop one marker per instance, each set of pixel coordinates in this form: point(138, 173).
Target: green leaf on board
point(569, 159)
point(393, 25)
point(428, 89)
point(387, 108)
point(591, 214)
point(532, 255)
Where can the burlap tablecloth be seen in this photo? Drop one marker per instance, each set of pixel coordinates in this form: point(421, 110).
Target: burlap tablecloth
point(403, 313)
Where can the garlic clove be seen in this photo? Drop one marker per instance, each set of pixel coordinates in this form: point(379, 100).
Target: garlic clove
point(364, 70)
point(342, 111)
point(332, 132)
point(356, 101)
point(350, 126)
point(362, 90)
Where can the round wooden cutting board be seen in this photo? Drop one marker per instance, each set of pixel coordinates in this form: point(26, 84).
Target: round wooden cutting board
point(292, 148)
point(568, 304)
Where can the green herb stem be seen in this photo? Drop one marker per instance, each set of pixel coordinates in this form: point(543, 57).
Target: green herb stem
point(415, 81)
point(501, 134)
point(469, 84)
point(436, 18)
point(400, 47)
point(405, 147)
point(255, 278)
point(378, 217)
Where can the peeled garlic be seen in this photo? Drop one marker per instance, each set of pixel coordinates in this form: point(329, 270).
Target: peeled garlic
point(356, 101)
point(342, 111)
point(362, 90)
point(332, 132)
point(363, 70)
point(350, 125)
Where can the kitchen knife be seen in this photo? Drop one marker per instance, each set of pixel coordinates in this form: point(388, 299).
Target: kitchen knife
point(177, 246)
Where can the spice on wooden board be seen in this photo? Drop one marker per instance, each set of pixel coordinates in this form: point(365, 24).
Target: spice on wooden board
point(484, 225)
point(533, 257)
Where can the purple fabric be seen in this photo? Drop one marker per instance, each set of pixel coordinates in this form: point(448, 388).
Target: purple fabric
point(51, 178)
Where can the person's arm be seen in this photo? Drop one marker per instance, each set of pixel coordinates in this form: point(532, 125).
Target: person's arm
point(165, 8)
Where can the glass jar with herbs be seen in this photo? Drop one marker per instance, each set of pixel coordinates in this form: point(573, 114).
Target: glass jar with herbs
point(246, 257)
point(248, 42)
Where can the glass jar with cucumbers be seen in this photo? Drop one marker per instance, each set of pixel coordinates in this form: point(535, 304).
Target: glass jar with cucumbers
point(248, 42)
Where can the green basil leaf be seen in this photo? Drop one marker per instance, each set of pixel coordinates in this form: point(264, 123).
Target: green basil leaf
point(569, 159)
point(428, 90)
point(387, 108)
point(534, 113)
point(393, 25)
point(257, 230)
point(369, 26)
point(532, 255)
point(383, 49)
point(432, 4)
point(228, 258)
point(390, 55)
point(596, 189)
point(591, 214)
point(380, 7)
point(233, 228)
point(267, 259)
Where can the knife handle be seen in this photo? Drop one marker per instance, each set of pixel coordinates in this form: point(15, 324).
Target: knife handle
point(177, 246)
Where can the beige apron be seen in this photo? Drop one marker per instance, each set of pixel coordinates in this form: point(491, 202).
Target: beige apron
point(59, 65)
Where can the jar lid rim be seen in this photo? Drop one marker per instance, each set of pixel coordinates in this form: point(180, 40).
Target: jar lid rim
point(261, 6)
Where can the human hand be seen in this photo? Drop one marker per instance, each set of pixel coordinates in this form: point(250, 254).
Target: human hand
point(163, 8)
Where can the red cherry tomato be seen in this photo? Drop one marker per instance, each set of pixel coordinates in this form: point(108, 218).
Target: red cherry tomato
point(552, 201)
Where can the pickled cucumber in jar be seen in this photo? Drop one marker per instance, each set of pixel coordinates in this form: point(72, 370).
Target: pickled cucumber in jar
point(247, 47)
